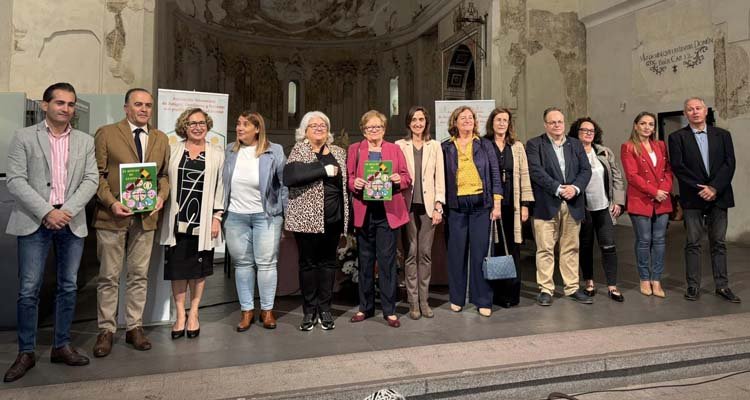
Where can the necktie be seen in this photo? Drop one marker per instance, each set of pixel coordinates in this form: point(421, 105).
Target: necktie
point(138, 148)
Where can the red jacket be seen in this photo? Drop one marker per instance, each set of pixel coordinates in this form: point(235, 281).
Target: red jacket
point(395, 210)
point(644, 179)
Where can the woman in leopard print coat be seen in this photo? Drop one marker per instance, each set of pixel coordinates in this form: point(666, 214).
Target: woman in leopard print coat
point(317, 212)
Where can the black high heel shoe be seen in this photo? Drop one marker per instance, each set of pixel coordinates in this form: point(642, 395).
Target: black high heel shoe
point(590, 290)
point(193, 334)
point(616, 296)
point(178, 334)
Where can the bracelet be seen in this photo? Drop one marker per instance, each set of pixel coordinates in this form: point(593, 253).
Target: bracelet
point(217, 217)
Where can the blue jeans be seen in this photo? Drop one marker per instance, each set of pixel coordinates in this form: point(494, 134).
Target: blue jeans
point(650, 243)
point(32, 255)
point(253, 244)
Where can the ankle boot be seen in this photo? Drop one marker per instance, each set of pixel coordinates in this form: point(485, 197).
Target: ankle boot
point(269, 320)
point(246, 319)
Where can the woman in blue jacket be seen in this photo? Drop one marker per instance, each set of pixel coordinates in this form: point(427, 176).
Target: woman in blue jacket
point(473, 194)
point(254, 200)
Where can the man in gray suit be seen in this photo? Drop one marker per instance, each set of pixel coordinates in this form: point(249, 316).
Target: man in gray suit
point(52, 174)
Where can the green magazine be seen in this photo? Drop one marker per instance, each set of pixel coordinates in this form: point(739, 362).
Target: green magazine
point(378, 185)
point(138, 186)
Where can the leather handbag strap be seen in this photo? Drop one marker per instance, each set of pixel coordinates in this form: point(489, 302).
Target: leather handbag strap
point(493, 229)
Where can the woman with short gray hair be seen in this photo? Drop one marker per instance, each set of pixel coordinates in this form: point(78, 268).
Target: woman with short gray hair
point(317, 213)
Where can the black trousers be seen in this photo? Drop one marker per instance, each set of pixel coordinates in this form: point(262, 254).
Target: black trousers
point(508, 291)
point(317, 267)
point(377, 241)
point(600, 223)
point(715, 221)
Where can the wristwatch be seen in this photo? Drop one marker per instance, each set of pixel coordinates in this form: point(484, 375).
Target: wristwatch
point(439, 210)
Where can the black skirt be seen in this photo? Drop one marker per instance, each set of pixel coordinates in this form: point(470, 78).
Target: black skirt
point(184, 261)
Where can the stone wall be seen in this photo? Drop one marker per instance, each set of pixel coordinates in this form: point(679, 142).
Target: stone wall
point(651, 55)
point(536, 58)
point(98, 46)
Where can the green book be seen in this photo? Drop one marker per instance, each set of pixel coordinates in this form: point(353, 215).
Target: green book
point(138, 186)
point(378, 185)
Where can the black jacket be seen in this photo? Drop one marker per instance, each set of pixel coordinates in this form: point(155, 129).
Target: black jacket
point(546, 176)
point(687, 166)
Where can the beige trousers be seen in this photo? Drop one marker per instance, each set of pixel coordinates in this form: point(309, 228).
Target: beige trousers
point(113, 253)
point(547, 233)
point(419, 234)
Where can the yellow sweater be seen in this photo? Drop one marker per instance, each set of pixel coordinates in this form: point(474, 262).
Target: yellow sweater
point(468, 181)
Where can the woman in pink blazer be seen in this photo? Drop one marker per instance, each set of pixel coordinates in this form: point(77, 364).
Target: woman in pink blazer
point(647, 170)
point(377, 222)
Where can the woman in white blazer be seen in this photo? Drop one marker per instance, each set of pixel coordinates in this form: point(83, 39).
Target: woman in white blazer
point(425, 199)
point(191, 227)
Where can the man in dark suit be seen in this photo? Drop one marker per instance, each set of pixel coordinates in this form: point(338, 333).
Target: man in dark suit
point(51, 175)
point(559, 172)
point(702, 159)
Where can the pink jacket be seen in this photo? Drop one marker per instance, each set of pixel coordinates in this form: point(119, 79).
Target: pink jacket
point(395, 210)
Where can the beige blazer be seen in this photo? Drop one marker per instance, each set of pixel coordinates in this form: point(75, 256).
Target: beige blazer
point(521, 187)
point(114, 145)
point(212, 197)
point(433, 173)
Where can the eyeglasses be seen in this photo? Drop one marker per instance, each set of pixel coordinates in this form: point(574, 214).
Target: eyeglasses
point(373, 128)
point(193, 124)
point(555, 122)
point(587, 131)
point(316, 127)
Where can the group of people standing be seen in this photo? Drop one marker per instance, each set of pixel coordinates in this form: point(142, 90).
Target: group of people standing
point(570, 185)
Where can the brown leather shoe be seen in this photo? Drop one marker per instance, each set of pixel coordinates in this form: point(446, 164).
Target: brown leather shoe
point(269, 321)
point(23, 363)
point(138, 339)
point(246, 319)
point(68, 355)
point(103, 345)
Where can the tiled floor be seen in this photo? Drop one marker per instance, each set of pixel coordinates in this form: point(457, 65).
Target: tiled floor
point(219, 344)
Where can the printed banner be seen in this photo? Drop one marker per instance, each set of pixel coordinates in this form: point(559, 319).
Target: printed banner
point(173, 102)
point(444, 108)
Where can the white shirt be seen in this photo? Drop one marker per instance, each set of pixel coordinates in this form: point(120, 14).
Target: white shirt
point(244, 195)
point(653, 157)
point(143, 137)
point(596, 196)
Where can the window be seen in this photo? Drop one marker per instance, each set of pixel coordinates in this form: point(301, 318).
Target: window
point(394, 96)
point(292, 106)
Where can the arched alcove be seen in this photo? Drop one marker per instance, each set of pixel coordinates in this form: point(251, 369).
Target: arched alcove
point(460, 75)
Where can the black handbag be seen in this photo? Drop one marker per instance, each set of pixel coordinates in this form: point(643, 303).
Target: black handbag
point(498, 267)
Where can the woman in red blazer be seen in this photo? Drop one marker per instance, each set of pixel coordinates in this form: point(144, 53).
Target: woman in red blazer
point(649, 178)
point(377, 222)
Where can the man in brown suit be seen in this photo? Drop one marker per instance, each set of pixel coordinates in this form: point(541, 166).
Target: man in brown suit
point(122, 235)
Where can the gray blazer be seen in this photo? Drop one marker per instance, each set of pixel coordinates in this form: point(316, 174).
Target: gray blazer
point(29, 181)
